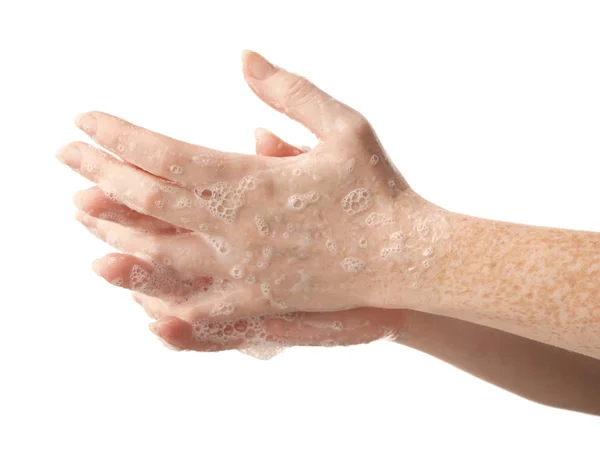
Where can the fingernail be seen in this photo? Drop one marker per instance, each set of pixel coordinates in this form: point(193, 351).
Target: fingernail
point(69, 155)
point(153, 326)
point(79, 199)
point(83, 218)
point(87, 123)
point(79, 215)
point(96, 266)
point(257, 67)
point(260, 133)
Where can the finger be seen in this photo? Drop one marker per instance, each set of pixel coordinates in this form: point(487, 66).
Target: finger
point(135, 188)
point(142, 276)
point(265, 336)
point(94, 202)
point(185, 164)
point(238, 302)
point(185, 253)
point(179, 335)
point(298, 98)
point(268, 144)
point(186, 308)
point(232, 332)
point(261, 335)
point(154, 307)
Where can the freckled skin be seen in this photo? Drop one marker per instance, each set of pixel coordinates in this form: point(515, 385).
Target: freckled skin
point(536, 282)
point(539, 283)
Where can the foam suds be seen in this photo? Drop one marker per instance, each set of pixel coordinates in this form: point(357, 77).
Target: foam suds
point(183, 202)
point(299, 202)
point(159, 278)
point(222, 309)
point(267, 252)
point(331, 246)
point(250, 335)
point(218, 243)
point(391, 250)
point(352, 265)
point(112, 216)
point(357, 201)
point(237, 272)
point(379, 219)
point(261, 225)
point(265, 288)
point(222, 200)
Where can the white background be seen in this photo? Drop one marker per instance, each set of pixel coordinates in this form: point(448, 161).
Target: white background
point(490, 108)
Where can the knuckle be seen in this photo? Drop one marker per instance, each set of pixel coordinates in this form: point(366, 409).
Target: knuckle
point(152, 201)
point(360, 126)
point(299, 91)
point(169, 164)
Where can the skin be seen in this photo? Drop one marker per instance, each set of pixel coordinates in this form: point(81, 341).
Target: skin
point(301, 218)
point(393, 249)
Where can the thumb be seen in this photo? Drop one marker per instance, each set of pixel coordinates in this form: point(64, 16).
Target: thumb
point(297, 97)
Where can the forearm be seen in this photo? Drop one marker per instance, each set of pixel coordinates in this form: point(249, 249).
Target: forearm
point(533, 370)
point(540, 283)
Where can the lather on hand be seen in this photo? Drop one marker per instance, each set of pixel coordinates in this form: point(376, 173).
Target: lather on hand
point(330, 229)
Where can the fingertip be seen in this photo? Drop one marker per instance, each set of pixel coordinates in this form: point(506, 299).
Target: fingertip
point(175, 333)
point(86, 122)
point(84, 218)
point(77, 118)
point(263, 138)
point(61, 153)
point(245, 54)
point(260, 133)
point(153, 326)
point(79, 199)
point(97, 266)
point(256, 66)
point(79, 216)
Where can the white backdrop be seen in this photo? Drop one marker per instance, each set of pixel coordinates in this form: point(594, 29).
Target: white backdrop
point(488, 108)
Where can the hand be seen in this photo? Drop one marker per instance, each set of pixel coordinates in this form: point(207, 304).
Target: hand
point(324, 230)
point(262, 337)
point(265, 336)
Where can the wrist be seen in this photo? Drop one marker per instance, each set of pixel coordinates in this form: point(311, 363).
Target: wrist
point(413, 251)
